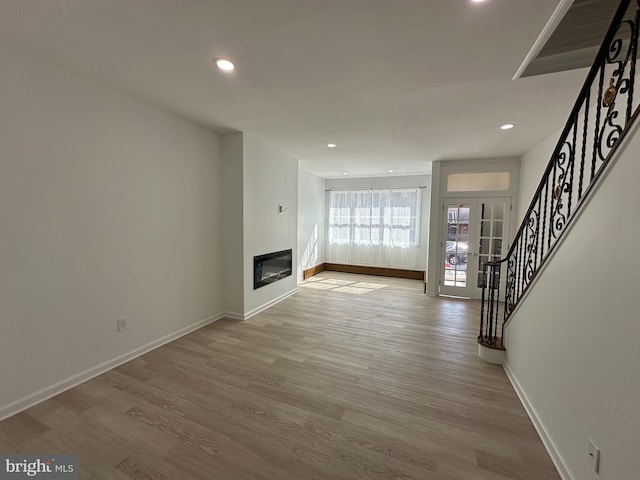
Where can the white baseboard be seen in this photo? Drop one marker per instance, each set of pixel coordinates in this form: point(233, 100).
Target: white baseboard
point(63, 385)
point(556, 457)
point(234, 315)
point(255, 311)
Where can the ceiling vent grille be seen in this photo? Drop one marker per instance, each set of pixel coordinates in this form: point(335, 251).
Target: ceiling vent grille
point(571, 38)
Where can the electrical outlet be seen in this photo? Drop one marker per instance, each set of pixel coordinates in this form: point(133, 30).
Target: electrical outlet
point(122, 324)
point(594, 455)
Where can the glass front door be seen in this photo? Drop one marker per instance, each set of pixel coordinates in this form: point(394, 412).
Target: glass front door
point(475, 232)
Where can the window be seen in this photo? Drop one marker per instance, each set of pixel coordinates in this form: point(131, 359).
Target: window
point(386, 218)
point(478, 182)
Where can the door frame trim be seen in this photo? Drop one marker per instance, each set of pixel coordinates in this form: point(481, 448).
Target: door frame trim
point(439, 170)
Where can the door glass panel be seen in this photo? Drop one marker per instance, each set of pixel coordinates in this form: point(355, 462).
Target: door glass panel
point(482, 259)
point(490, 242)
point(497, 229)
point(457, 245)
point(497, 247)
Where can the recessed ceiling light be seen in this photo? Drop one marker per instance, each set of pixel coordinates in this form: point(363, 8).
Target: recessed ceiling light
point(390, 171)
point(346, 173)
point(331, 145)
point(477, 1)
point(224, 64)
point(507, 126)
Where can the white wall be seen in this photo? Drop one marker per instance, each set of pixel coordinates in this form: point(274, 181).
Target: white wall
point(532, 166)
point(407, 181)
point(311, 221)
point(232, 224)
point(435, 232)
point(109, 209)
point(270, 179)
point(572, 345)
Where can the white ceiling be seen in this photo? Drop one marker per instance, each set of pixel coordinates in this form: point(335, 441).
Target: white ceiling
point(395, 83)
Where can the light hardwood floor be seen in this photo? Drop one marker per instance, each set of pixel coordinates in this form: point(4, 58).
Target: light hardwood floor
point(354, 377)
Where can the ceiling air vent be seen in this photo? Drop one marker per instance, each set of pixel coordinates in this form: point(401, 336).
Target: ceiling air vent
point(571, 38)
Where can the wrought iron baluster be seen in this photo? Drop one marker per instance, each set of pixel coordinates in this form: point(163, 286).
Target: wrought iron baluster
point(491, 306)
point(552, 233)
point(544, 216)
point(632, 73)
point(523, 264)
point(504, 308)
point(484, 288)
point(510, 294)
point(496, 279)
point(571, 166)
point(517, 265)
point(537, 244)
point(585, 132)
point(598, 114)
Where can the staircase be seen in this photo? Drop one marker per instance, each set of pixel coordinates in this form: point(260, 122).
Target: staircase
point(597, 126)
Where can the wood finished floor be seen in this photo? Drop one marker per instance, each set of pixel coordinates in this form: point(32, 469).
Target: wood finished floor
point(354, 377)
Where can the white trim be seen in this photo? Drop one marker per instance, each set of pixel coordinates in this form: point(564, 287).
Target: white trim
point(63, 385)
point(270, 303)
point(556, 17)
point(547, 441)
point(234, 315)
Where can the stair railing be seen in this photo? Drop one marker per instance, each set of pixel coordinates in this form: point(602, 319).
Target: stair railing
point(604, 111)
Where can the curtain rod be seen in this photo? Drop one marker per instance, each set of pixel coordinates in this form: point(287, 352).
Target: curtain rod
point(372, 188)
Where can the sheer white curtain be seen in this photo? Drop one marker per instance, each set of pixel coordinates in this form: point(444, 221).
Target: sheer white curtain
point(374, 227)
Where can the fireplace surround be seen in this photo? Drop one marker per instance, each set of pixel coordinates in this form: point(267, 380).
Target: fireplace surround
point(271, 267)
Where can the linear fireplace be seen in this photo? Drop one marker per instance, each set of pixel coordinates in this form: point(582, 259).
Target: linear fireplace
point(271, 267)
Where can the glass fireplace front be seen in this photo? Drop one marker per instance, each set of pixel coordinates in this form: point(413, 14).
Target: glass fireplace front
point(271, 267)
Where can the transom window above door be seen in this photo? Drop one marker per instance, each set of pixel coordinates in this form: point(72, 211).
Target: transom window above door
point(478, 182)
